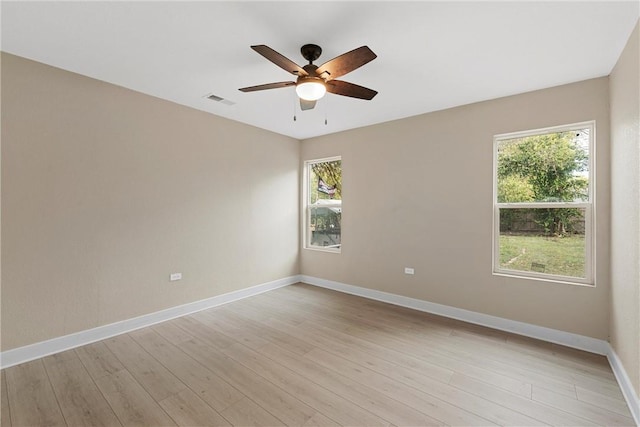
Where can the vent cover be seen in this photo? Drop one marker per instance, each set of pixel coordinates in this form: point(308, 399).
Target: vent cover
point(219, 99)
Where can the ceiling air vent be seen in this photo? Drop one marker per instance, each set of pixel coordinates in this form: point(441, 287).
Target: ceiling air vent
point(219, 99)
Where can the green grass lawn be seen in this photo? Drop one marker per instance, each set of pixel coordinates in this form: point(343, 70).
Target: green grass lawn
point(552, 255)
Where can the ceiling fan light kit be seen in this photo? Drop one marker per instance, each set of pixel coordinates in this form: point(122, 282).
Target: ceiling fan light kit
point(313, 81)
point(310, 88)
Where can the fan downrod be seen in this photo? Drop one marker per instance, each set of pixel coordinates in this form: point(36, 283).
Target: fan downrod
point(311, 52)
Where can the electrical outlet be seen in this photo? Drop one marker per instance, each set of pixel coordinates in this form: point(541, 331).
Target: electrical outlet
point(175, 276)
point(408, 270)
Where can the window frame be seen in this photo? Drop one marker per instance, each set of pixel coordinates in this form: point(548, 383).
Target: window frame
point(588, 206)
point(306, 197)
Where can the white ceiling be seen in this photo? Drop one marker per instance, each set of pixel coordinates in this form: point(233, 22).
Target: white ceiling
point(431, 55)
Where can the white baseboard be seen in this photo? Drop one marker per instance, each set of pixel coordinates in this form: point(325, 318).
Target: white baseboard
point(568, 339)
point(44, 348)
point(629, 393)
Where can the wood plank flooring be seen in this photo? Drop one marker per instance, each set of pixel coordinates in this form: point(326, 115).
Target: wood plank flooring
point(306, 356)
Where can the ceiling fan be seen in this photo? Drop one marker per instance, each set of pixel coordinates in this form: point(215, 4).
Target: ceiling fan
point(313, 81)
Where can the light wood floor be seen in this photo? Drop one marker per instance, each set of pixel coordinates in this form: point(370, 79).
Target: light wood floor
point(305, 356)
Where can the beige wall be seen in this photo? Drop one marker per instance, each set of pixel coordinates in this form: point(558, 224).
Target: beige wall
point(106, 191)
point(625, 208)
point(417, 192)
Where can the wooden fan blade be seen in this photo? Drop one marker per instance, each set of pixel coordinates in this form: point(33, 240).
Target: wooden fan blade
point(349, 89)
point(280, 60)
point(267, 86)
point(307, 105)
point(346, 63)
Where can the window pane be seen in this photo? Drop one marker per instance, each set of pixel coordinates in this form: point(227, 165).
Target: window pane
point(550, 241)
point(325, 226)
point(551, 167)
point(325, 181)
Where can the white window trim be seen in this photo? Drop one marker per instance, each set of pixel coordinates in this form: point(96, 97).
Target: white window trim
point(306, 206)
point(590, 229)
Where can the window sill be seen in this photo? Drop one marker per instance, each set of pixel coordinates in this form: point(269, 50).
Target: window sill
point(552, 279)
point(320, 249)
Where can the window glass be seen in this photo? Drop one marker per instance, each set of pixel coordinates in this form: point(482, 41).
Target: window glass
point(325, 181)
point(325, 223)
point(552, 167)
point(527, 242)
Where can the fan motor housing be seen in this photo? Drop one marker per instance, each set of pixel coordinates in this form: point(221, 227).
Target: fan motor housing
point(311, 69)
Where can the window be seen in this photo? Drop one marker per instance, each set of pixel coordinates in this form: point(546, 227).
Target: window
point(543, 204)
point(323, 204)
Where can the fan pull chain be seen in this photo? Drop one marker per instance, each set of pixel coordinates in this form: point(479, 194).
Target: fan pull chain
point(325, 111)
point(294, 108)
